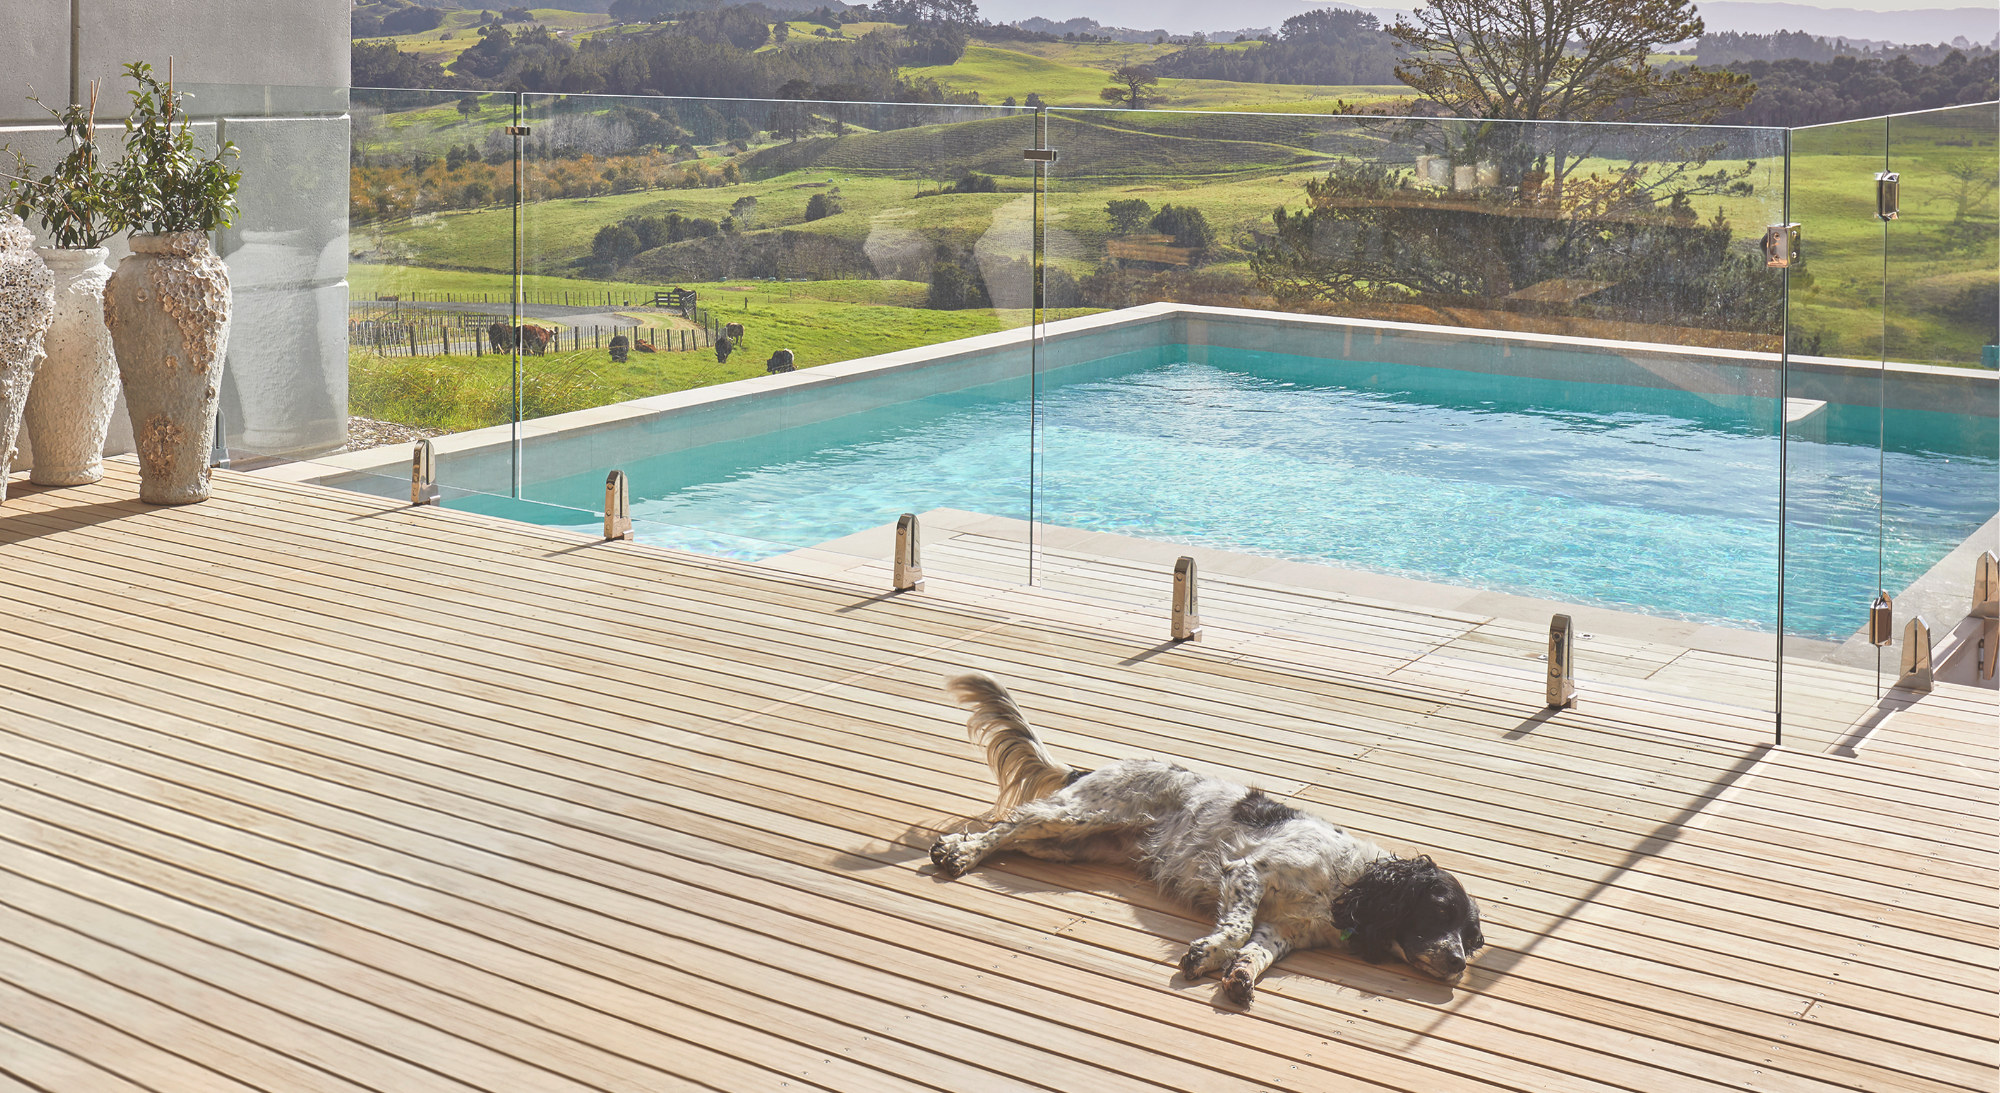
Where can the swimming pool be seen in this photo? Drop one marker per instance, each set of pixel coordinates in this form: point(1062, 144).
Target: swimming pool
point(1649, 499)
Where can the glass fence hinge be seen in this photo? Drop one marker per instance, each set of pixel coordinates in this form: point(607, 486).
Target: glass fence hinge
point(518, 130)
point(1888, 187)
point(1039, 155)
point(1781, 245)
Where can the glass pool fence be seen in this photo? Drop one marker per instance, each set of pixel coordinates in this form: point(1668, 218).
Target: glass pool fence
point(1402, 387)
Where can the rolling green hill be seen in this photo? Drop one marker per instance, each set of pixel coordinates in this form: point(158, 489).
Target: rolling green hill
point(1073, 74)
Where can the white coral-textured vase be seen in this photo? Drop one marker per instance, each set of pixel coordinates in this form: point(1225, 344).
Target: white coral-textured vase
point(76, 389)
point(168, 309)
point(27, 300)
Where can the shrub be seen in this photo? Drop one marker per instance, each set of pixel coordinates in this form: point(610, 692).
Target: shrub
point(822, 206)
point(976, 183)
point(1185, 223)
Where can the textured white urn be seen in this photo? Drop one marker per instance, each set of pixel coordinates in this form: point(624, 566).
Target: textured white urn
point(168, 309)
point(76, 389)
point(27, 300)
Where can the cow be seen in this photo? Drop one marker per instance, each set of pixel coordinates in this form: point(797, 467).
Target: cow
point(734, 332)
point(535, 339)
point(781, 361)
point(644, 346)
point(502, 337)
point(723, 348)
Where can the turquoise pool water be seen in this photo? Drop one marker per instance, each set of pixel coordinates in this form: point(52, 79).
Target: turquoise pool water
point(1644, 499)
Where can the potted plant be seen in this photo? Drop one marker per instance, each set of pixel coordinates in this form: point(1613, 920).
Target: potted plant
point(27, 298)
point(76, 389)
point(168, 303)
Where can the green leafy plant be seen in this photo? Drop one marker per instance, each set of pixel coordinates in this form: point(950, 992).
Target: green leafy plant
point(74, 201)
point(163, 183)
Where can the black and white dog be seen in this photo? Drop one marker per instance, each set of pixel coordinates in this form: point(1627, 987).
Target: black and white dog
point(1277, 878)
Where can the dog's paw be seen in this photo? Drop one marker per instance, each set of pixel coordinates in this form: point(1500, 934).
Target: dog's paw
point(952, 856)
point(1239, 986)
point(1206, 955)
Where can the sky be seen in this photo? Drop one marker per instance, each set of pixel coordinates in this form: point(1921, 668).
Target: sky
point(1892, 20)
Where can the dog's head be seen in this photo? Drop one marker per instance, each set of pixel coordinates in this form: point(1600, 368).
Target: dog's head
point(1409, 907)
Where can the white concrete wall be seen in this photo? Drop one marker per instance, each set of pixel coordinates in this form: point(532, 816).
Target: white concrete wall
point(270, 76)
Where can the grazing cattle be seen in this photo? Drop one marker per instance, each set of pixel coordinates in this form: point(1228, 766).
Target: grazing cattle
point(502, 337)
point(723, 348)
point(781, 361)
point(734, 332)
point(620, 346)
point(535, 339)
point(644, 346)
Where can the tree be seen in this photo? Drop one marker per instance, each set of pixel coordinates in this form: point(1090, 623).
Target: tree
point(1128, 214)
point(613, 244)
point(381, 64)
point(1130, 85)
point(1579, 60)
point(1186, 225)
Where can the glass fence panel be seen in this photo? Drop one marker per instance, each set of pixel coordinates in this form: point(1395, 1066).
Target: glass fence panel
point(284, 383)
point(1833, 429)
point(788, 322)
point(431, 248)
point(1942, 297)
point(1419, 385)
point(1941, 448)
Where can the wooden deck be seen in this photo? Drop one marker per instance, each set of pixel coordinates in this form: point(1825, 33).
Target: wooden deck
point(303, 791)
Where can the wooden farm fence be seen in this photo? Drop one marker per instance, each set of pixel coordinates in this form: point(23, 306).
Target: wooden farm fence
point(390, 330)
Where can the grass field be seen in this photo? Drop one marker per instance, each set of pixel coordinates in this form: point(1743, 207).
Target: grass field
point(1236, 168)
point(461, 30)
point(1073, 74)
point(1920, 257)
point(820, 321)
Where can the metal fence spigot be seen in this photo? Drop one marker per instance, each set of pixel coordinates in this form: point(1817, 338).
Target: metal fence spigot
point(1187, 602)
point(617, 507)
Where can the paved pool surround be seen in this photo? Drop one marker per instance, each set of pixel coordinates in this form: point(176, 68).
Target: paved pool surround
point(562, 445)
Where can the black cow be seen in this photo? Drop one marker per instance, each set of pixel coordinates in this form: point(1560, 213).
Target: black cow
point(502, 337)
point(723, 348)
point(781, 361)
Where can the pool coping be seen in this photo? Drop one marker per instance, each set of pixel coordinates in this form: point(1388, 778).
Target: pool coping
point(1016, 354)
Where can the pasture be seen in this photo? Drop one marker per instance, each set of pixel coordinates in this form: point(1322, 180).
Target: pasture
point(1235, 169)
point(1073, 74)
point(820, 321)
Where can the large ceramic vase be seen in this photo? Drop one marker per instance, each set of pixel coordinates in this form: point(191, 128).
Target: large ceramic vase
point(27, 300)
point(76, 389)
point(168, 310)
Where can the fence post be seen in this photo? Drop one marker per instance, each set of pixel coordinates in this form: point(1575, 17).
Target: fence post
point(413, 339)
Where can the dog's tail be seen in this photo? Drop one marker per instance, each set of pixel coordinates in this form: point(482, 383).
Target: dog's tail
point(1022, 766)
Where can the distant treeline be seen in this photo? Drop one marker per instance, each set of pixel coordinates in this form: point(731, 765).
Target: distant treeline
point(1729, 47)
point(1317, 47)
point(1791, 93)
point(708, 55)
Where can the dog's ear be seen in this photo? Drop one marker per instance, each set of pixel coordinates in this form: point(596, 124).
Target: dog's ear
point(1373, 909)
point(1474, 938)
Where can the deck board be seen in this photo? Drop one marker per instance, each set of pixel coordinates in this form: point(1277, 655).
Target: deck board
point(308, 790)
